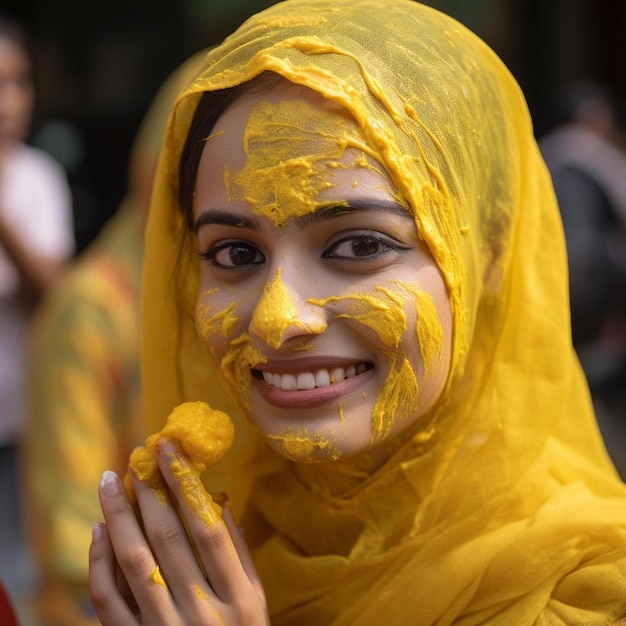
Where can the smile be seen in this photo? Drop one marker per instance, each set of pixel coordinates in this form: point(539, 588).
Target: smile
point(312, 380)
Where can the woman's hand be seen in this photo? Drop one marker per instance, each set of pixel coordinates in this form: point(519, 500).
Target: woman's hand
point(144, 569)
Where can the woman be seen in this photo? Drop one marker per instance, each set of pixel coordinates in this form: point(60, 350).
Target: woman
point(367, 272)
point(36, 245)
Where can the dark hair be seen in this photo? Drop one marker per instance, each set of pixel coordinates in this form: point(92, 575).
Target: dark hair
point(16, 32)
point(211, 106)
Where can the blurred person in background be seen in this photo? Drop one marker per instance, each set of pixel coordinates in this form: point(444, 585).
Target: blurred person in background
point(84, 407)
point(36, 242)
point(587, 161)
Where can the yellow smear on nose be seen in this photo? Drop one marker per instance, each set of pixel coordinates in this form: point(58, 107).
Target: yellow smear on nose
point(275, 312)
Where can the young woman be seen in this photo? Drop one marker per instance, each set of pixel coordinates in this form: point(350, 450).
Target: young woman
point(36, 246)
point(354, 250)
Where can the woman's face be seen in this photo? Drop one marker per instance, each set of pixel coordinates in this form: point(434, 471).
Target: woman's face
point(327, 314)
point(16, 93)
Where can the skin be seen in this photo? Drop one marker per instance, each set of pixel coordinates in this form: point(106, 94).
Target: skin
point(317, 268)
point(307, 285)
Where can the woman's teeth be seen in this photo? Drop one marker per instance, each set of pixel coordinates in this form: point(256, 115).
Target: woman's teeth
point(311, 380)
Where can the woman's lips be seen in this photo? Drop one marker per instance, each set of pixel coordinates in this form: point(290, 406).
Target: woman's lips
point(311, 388)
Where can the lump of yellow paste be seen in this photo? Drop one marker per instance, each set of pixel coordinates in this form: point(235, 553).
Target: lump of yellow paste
point(202, 433)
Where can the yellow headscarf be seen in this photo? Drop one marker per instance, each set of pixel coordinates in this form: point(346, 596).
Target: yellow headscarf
point(505, 507)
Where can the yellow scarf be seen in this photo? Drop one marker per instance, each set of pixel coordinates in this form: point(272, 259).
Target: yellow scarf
point(505, 508)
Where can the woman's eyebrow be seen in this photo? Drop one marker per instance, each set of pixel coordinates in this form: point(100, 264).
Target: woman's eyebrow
point(355, 205)
point(224, 218)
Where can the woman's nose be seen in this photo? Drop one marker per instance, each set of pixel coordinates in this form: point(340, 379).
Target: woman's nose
point(282, 313)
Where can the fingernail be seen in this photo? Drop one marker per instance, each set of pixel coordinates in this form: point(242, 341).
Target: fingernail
point(96, 532)
point(110, 483)
point(166, 450)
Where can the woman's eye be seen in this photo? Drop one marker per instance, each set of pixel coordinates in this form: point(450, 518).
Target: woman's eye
point(233, 255)
point(366, 247)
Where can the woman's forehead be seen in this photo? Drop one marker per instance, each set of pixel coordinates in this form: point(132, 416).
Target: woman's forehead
point(289, 117)
point(289, 147)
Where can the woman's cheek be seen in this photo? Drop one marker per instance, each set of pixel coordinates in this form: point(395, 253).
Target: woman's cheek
point(380, 311)
point(218, 327)
point(237, 363)
point(398, 314)
point(429, 330)
point(383, 311)
point(416, 366)
point(216, 322)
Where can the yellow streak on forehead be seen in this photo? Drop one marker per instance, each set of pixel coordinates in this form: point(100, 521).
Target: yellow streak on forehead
point(292, 150)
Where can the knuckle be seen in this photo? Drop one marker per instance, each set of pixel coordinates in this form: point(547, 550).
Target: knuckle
point(136, 561)
point(214, 537)
point(167, 534)
point(99, 596)
point(248, 612)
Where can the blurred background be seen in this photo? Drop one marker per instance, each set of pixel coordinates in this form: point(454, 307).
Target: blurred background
point(97, 67)
point(98, 64)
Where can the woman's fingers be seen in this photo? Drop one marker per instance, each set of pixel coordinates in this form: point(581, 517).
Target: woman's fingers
point(133, 555)
point(220, 547)
point(176, 563)
point(242, 548)
point(179, 568)
point(110, 603)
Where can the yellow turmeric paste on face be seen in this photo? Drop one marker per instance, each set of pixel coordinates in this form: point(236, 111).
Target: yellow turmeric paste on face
point(382, 313)
point(236, 365)
point(293, 150)
point(284, 175)
point(302, 446)
point(203, 434)
point(398, 397)
point(429, 330)
point(276, 312)
point(221, 323)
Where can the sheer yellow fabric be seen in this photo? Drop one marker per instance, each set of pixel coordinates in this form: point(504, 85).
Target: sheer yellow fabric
point(505, 507)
